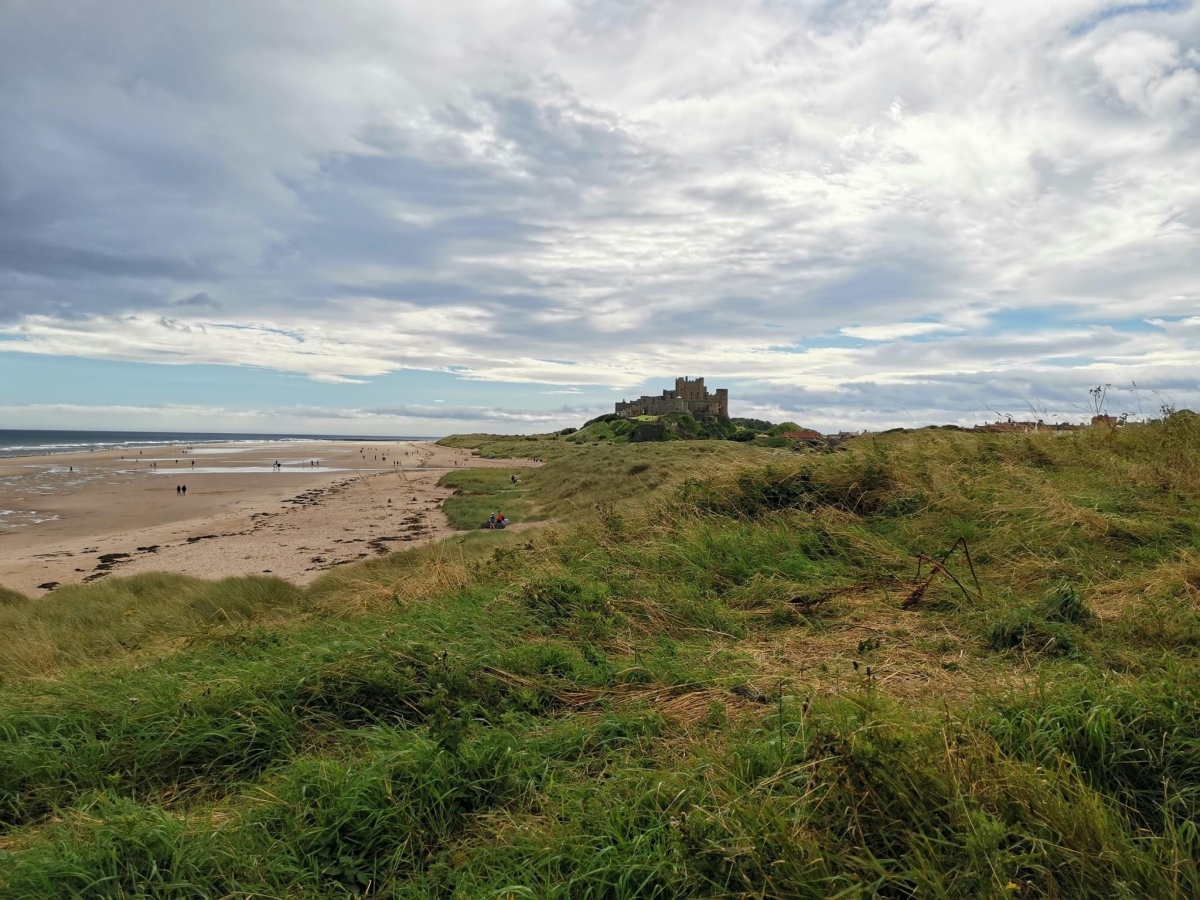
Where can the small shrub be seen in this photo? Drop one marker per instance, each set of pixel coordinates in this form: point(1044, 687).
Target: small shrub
point(1010, 632)
point(869, 645)
point(1066, 605)
point(1028, 632)
point(562, 598)
point(754, 494)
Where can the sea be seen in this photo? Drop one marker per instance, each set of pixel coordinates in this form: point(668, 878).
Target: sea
point(17, 442)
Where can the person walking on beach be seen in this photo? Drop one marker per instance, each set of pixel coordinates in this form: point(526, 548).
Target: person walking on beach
point(177, 490)
point(184, 489)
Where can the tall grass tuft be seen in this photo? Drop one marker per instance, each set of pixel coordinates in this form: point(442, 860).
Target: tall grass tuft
point(78, 623)
point(704, 678)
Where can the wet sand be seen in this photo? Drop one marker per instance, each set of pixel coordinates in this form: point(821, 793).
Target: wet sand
point(78, 517)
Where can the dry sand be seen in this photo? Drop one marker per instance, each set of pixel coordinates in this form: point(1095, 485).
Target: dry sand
point(78, 517)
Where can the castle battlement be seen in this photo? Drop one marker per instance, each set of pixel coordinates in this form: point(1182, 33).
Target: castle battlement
point(690, 396)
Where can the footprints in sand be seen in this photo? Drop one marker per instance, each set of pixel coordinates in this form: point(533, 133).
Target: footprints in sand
point(413, 528)
point(316, 530)
point(379, 545)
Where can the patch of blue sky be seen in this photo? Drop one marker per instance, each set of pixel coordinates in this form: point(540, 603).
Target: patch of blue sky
point(822, 342)
point(35, 380)
point(1159, 321)
point(1129, 9)
point(1067, 362)
point(839, 341)
point(928, 337)
point(1130, 326)
point(1024, 320)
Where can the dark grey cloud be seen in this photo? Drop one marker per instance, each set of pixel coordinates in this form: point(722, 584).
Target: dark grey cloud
point(51, 260)
point(199, 300)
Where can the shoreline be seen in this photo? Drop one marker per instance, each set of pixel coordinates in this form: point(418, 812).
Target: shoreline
point(92, 513)
point(114, 448)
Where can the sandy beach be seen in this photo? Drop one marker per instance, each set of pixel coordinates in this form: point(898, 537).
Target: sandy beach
point(79, 517)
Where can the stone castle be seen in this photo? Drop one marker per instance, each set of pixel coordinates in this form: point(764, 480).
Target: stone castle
point(689, 396)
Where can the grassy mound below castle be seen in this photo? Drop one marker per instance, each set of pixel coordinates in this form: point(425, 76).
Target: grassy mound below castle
point(714, 671)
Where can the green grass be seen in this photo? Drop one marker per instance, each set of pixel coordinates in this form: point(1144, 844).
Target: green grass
point(576, 478)
point(712, 675)
point(478, 493)
point(10, 597)
point(116, 617)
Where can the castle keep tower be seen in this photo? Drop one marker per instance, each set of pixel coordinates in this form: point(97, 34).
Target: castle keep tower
point(690, 396)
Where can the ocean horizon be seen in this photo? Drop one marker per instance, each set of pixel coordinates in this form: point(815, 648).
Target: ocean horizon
point(45, 442)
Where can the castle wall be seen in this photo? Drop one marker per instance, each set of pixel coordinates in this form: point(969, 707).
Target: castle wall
point(723, 403)
point(689, 396)
point(691, 389)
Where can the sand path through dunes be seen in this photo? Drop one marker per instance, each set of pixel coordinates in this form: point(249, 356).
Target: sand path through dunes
point(79, 517)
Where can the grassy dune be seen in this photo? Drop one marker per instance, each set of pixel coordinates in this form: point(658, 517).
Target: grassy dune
point(578, 477)
point(716, 675)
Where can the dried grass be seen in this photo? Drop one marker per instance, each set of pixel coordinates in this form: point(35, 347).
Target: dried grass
point(902, 658)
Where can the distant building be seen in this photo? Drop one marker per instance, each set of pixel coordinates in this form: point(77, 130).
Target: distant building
point(690, 396)
point(803, 434)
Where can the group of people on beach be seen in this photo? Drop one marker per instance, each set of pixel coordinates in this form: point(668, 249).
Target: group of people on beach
point(496, 520)
point(181, 489)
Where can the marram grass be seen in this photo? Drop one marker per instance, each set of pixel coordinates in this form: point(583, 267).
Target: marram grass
point(714, 673)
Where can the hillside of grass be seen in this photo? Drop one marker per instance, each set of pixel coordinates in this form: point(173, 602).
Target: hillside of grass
point(933, 664)
point(578, 477)
point(615, 429)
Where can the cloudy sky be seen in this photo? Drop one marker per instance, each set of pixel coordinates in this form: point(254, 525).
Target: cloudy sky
point(387, 217)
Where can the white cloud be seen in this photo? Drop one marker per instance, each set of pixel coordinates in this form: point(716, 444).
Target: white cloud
point(575, 193)
point(1144, 70)
point(893, 331)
